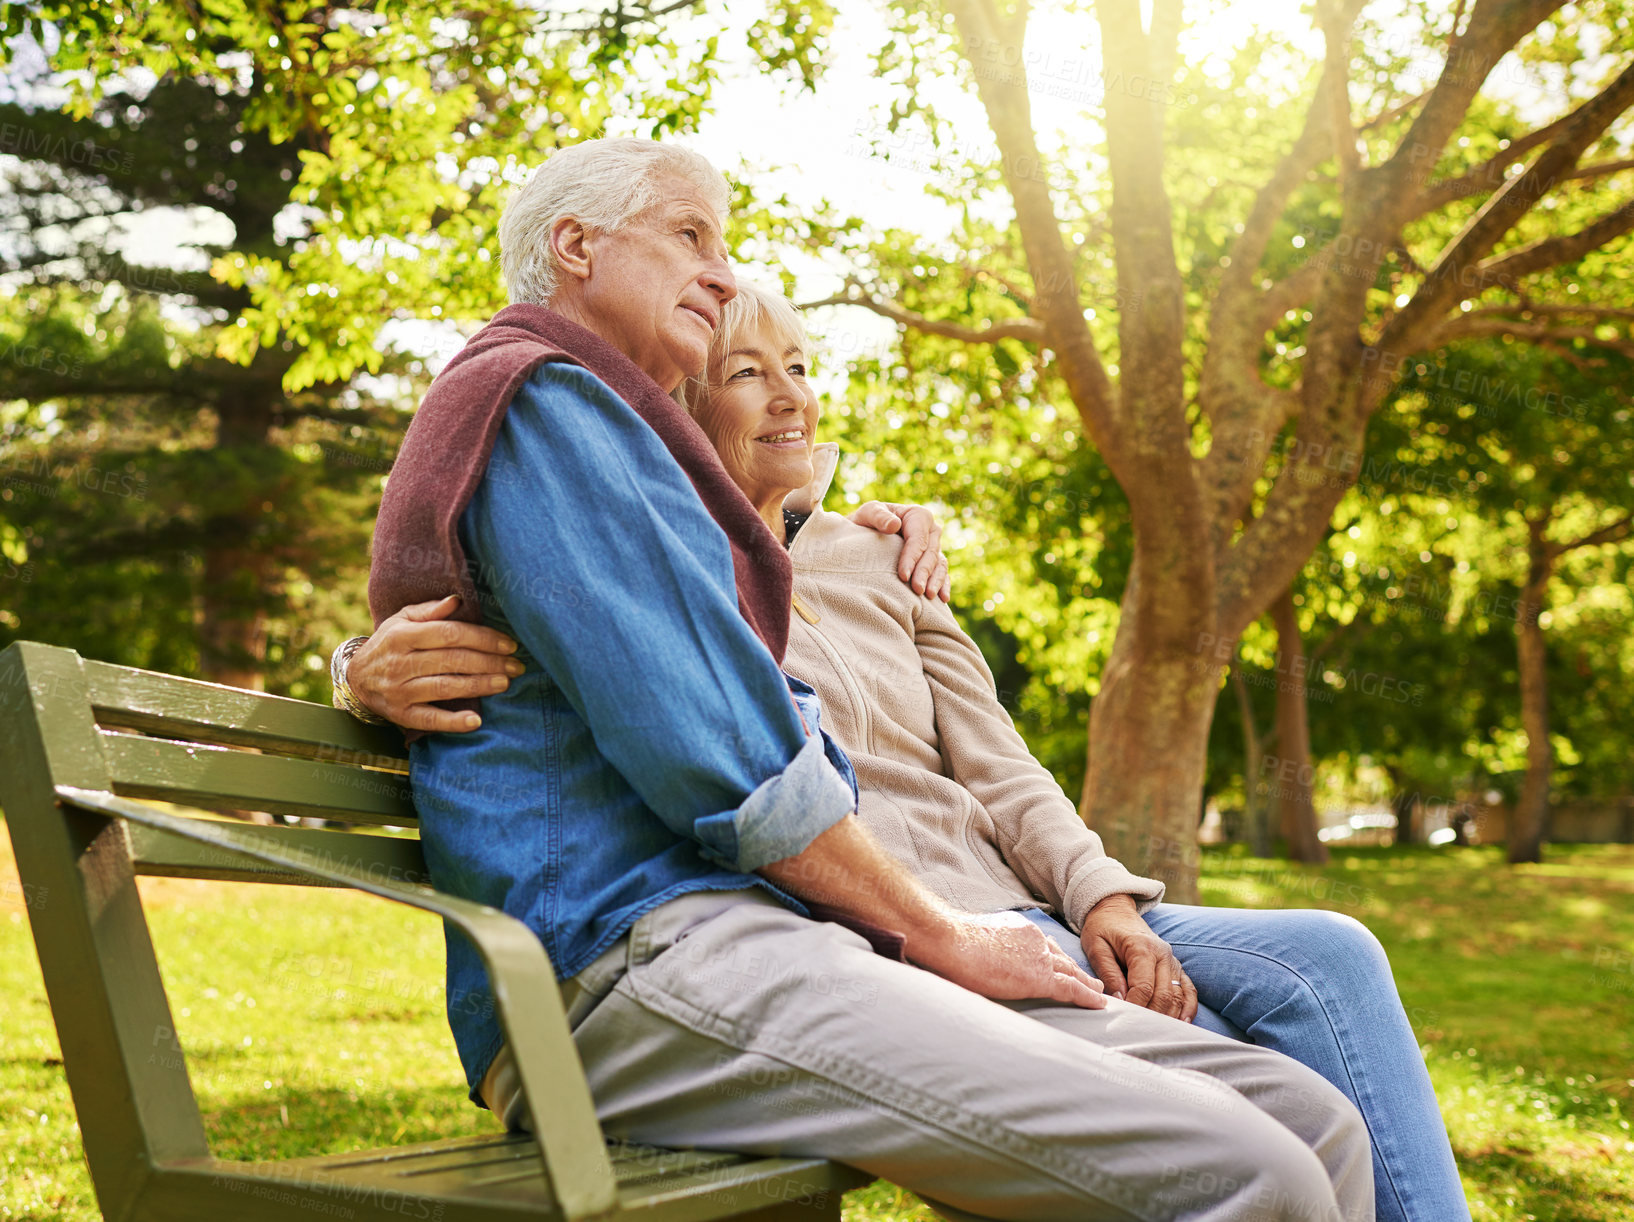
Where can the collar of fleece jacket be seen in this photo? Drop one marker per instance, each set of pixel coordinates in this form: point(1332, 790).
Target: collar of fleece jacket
point(825, 459)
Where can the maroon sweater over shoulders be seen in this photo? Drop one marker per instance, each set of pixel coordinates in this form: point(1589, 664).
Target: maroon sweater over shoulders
point(417, 555)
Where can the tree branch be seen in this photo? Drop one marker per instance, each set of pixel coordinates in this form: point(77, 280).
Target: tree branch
point(1559, 309)
point(665, 10)
point(1599, 169)
point(1027, 329)
point(1493, 29)
point(1391, 113)
point(1508, 268)
point(1614, 533)
point(1467, 326)
point(1244, 414)
point(1486, 176)
point(1055, 286)
point(1294, 289)
point(1010, 287)
point(1457, 16)
point(1333, 410)
point(1165, 38)
point(1168, 506)
point(1456, 274)
point(1490, 174)
point(1238, 285)
point(1336, 18)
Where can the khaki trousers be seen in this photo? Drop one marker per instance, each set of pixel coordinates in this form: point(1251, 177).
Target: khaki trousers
point(724, 1020)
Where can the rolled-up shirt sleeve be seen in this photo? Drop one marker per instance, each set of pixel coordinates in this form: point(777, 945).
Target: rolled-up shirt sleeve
point(589, 540)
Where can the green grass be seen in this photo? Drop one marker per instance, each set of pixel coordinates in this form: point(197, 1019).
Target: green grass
point(1519, 982)
point(313, 1022)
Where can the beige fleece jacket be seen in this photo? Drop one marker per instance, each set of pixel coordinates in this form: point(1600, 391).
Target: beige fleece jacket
point(947, 785)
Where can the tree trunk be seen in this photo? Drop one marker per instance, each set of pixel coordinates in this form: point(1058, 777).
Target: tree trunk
point(1149, 723)
point(1405, 806)
point(1148, 749)
point(232, 621)
point(1530, 825)
point(1296, 811)
point(1256, 815)
point(238, 574)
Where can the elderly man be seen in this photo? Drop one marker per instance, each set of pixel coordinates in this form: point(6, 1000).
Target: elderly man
point(657, 800)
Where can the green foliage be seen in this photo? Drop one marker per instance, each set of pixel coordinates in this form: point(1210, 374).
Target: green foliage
point(158, 499)
point(791, 38)
point(360, 157)
point(1417, 588)
point(410, 124)
point(357, 160)
point(1038, 523)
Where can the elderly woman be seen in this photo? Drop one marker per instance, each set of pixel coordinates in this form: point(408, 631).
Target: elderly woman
point(948, 786)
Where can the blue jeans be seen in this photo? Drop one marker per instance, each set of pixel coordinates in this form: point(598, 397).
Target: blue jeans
point(1316, 986)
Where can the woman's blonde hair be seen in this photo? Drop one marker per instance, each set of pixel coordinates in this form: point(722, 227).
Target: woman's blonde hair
point(753, 309)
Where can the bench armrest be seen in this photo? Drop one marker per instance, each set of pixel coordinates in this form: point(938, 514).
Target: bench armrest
point(524, 986)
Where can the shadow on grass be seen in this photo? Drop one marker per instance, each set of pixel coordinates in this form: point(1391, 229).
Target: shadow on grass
point(296, 1122)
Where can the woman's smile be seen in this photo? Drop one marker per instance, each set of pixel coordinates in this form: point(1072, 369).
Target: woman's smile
point(794, 439)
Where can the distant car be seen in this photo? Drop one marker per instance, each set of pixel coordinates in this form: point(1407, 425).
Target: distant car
point(1383, 820)
point(1375, 828)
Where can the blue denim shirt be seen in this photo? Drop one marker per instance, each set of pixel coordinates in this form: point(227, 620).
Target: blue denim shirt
point(652, 747)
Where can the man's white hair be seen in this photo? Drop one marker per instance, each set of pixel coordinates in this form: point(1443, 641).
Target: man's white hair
point(602, 184)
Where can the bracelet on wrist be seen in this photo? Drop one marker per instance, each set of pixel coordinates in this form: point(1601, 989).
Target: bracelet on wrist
point(344, 697)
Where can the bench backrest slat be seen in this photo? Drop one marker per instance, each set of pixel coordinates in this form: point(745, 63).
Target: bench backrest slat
point(76, 735)
point(193, 711)
point(397, 858)
point(97, 726)
point(221, 778)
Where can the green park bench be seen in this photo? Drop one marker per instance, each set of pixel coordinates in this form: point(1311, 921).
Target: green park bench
point(108, 772)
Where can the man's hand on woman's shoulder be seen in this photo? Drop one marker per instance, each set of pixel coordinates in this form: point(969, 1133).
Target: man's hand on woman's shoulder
point(922, 567)
point(420, 656)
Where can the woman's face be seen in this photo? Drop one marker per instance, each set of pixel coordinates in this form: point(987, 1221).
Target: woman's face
point(761, 416)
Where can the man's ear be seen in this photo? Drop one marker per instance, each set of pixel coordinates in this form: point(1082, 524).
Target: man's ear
point(571, 244)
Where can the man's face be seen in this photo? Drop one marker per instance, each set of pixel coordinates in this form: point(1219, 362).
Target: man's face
point(656, 287)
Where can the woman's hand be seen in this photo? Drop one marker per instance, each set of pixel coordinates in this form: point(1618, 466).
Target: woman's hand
point(1133, 962)
point(922, 567)
point(419, 656)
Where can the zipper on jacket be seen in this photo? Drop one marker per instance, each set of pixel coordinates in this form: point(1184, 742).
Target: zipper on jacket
point(865, 717)
point(853, 690)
